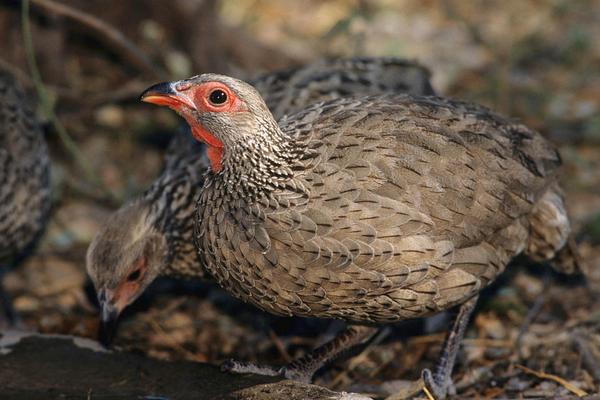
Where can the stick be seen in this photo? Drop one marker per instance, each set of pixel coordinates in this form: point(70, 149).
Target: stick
point(106, 33)
point(47, 107)
point(543, 375)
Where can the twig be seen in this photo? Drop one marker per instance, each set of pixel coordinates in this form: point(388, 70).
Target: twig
point(532, 314)
point(428, 393)
point(587, 353)
point(21, 76)
point(280, 346)
point(543, 375)
point(128, 91)
point(47, 106)
point(27, 83)
point(490, 394)
point(106, 33)
point(431, 338)
point(497, 343)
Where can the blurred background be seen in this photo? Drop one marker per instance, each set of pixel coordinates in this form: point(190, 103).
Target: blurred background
point(85, 62)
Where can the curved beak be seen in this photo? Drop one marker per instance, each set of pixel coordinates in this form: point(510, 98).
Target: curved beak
point(166, 94)
point(109, 317)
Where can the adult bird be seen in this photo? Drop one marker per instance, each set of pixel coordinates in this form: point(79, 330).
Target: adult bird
point(151, 235)
point(369, 209)
point(24, 181)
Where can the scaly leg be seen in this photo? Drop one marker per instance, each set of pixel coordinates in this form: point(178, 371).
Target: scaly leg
point(438, 382)
point(354, 338)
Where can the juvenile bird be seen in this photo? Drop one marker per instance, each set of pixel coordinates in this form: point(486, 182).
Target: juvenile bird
point(24, 180)
point(368, 209)
point(152, 234)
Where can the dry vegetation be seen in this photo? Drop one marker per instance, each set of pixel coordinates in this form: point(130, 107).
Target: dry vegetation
point(536, 334)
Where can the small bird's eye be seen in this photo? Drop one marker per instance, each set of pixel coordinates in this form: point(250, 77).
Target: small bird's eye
point(217, 97)
point(134, 276)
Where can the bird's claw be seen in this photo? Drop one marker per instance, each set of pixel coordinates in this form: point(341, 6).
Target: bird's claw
point(240, 367)
point(435, 387)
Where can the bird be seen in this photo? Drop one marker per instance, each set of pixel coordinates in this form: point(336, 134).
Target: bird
point(369, 209)
point(151, 235)
point(25, 189)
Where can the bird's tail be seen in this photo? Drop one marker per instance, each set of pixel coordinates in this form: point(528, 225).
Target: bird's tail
point(550, 238)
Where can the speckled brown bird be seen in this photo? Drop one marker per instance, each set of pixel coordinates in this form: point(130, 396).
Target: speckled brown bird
point(24, 179)
point(152, 234)
point(370, 210)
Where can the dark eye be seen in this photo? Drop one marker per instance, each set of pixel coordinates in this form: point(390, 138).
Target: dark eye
point(217, 97)
point(135, 275)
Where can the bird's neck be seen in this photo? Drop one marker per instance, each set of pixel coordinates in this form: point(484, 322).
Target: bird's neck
point(256, 166)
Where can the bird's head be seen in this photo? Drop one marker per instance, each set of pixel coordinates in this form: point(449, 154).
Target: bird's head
point(122, 260)
point(227, 114)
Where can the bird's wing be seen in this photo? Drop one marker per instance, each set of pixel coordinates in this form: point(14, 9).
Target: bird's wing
point(469, 170)
point(402, 188)
point(289, 91)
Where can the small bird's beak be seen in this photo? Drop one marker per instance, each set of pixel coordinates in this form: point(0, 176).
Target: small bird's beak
point(166, 94)
point(109, 319)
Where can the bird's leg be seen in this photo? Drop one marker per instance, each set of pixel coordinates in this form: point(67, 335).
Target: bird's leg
point(8, 316)
point(353, 338)
point(438, 382)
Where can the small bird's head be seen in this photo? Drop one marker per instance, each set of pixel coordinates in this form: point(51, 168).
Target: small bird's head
point(122, 260)
point(227, 114)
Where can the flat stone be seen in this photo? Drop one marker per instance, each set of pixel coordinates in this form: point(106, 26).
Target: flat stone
point(35, 366)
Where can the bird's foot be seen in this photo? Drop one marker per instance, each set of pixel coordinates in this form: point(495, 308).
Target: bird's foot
point(304, 368)
point(429, 384)
point(436, 386)
point(289, 371)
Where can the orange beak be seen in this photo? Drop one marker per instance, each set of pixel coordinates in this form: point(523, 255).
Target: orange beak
point(165, 94)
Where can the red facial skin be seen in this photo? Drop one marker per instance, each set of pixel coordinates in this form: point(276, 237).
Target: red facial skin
point(128, 290)
point(197, 97)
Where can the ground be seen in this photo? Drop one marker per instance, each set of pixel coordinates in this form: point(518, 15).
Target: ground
point(535, 333)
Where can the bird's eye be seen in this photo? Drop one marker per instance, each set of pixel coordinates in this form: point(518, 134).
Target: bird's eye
point(217, 97)
point(135, 275)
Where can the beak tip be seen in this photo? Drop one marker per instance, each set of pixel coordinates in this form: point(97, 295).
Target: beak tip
point(163, 89)
point(108, 326)
point(106, 333)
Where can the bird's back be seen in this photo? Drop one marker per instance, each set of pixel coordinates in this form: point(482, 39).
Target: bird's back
point(24, 172)
point(459, 164)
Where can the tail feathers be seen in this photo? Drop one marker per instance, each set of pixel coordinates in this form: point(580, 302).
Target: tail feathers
point(550, 238)
point(549, 227)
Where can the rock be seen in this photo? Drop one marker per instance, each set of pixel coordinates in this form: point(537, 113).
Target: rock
point(292, 390)
point(35, 366)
